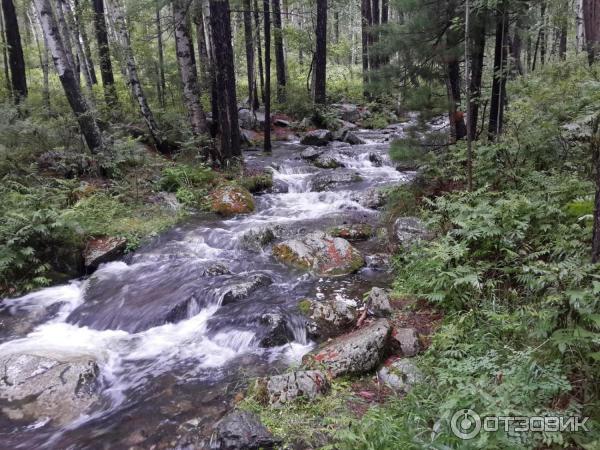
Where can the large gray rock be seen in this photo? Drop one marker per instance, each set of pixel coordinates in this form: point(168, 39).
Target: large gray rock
point(102, 250)
point(330, 317)
point(354, 353)
point(242, 430)
point(257, 240)
point(352, 138)
point(347, 112)
point(247, 119)
point(308, 384)
point(405, 341)
point(320, 254)
point(401, 375)
point(328, 180)
point(408, 230)
point(274, 330)
point(331, 159)
point(243, 289)
point(372, 198)
point(317, 138)
point(379, 301)
point(34, 388)
point(311, 153)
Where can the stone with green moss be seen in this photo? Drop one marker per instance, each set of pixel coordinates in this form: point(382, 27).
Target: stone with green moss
point(353, 232)
point(229, 200)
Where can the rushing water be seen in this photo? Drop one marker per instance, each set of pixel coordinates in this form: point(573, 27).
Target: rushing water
point(171, 352)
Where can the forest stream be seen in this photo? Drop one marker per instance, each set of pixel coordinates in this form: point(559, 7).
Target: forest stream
point(171, 344)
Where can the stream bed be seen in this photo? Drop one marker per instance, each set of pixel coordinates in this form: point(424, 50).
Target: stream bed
point(169, 335)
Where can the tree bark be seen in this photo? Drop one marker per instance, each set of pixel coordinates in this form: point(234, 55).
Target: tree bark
point(85, 42)
point(106, 72)
point(498, 99)
point(579, 26)
point(279, 56)
point(595, 150)
point(162, 84)
point(15, 52)
point(225, 80)
point(517, 43)
point(478, 33)
point(203, 56)
point(261, 74)
point(134, 80)
point(249, 41)
point(591, 21)
point(375, 15)
point(543, 39)
point(82, 61)
point(365, 12)
point(267, 99)
point(456, 118)
point(43, 57)
point(66, 37)
point(187, 68)
point(87, 123)
point(5, 57)
point(321, 53)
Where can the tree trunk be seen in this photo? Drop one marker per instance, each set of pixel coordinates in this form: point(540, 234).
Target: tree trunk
point(43, 57)
point(498, 100)
point(279, 56)
point(591, 20)
point(267, 99)
point(543, 34)
point(85, 42)
point(562, 45)
point(87, 123)
point(5, 58)
point(15, 52)
point(375, 14)
point(517, 44)
point(134, 80)
point(74, 31)
point(162, 84)
point(249, 41)
point(595, 150)
point(478, 32)
point(225, 77)
point(203, 57)
point(261, 75)
point(366, 19)
point(106, 73)
point(187, 68)
point(321, 53)
point(579, 26)
point(457, 124)
point(66, 37)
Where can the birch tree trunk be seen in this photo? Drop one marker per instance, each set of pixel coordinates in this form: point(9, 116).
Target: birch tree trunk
point(162, 85)
point(66, 38)
point(15, 51)
point(85, 41)
point(74, 31)
point(261, 74)
point(43, 57)
point(187, 68)
point(579, 26)
point(134, 80)
point(203, 57)
point(87, 123)
point(225, 80)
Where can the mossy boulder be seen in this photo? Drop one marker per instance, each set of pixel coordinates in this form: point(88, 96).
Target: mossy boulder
point(229, 200)
point(353, 232)
point(321, 254)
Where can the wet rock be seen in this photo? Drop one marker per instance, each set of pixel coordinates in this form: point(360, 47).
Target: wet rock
point(372, 198)
point(379, 301)
point(354, 353)
point(401, 375)
point(250, 138)
point(330, 159)
point(281, 123)
point(408, 166)
point(166, 199)
point(275, 330)
point(242, 290)
point(102, 250)
point(375, 159)
point(216, 270)
point(317, 138)
point(330, 317)
point(327, 180)
point(242, 430)
point(308, 384)
point(378, 261)
point(354, 232)
point(257, 240)
point(321, 254)
point(230, 200)
point(408, 230)
point(311, 153)
point(247, 119)
point(347, 111)
point(405, 341)
point(35, 388)
point(352, 138)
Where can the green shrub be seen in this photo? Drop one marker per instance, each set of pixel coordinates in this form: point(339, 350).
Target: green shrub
point(186, 176)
